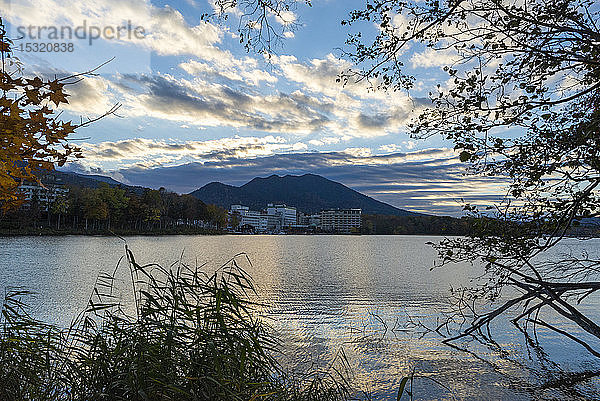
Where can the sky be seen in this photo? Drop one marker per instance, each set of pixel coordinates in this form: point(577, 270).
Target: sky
point(196, 107)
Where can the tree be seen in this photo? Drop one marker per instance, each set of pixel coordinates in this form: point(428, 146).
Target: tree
point(33, 136)
point(60, 207)
point(522, 102)
point(532, 68)
point(135, 210)
point(94, 207)
point(217, 215)
point(257, 29)
point(154, 204)
point(115, 200)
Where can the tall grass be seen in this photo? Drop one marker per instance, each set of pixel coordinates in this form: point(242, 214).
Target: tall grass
point(192, 336)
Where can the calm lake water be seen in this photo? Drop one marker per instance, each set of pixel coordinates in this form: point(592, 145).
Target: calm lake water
point(326, 295)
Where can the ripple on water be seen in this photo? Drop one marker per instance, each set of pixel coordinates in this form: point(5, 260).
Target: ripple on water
point(324, 295)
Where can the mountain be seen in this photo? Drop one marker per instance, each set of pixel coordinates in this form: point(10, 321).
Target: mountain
point(84, 180)
point(90, 181)
point(309, 193)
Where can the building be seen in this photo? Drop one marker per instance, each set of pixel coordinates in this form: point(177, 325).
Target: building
point(44, 195)
point(273, 222)
point(341, 220)
point(261, 221)
point(282, 217)
point(275, 218)
point(288, 216)
point(309, 220)
point(247, 217)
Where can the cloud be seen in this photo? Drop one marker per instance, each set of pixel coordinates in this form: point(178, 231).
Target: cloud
point(165, 30)
point(359, 110)
point(149, 152)
point(358, 152)
point(286, 17)
point(211, 104)
point(90, 96)
point(392, 147)
point(434, 58)
point(233, 98)
point(244, 70)
point(215, 88)
point(317, 75)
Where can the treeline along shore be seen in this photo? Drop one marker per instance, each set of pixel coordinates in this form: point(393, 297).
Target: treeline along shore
point(111, 209)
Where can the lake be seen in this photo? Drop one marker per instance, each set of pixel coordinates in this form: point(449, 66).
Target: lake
point(326, 295)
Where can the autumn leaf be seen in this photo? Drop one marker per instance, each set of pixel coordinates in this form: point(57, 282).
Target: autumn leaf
point(58, 97)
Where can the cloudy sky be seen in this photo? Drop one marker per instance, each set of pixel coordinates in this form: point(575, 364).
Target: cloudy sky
point(196, 107)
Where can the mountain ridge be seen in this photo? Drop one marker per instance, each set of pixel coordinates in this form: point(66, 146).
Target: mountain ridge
point(309, 193)
point(91, 180)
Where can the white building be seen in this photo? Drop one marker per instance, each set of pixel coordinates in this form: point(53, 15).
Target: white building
point(288, 216)
point(246, 217)
point(341, 220)
point(44, 195)
point(260, 221)
point(273, 223)
point(239, 209)
point(275, 218)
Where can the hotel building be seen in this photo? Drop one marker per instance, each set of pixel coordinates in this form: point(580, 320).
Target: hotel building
point(341, 220)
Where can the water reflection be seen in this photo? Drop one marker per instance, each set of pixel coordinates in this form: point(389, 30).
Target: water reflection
point(323, 294)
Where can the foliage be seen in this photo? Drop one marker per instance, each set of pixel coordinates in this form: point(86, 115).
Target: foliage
point(521, 102)
point(33, 136)
point(258, 20)
point(124, 210)
point(192, 336)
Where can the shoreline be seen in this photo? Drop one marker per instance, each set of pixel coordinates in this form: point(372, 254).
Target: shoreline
point(48, 232)
point(54, 233)
point(190, 231)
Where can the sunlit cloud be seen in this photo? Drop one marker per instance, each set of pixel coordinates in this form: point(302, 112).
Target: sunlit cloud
point(147, 153)
point(212, 87)
point(165, 30)
point(434, 58)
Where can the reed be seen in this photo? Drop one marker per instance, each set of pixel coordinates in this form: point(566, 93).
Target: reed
point(192, 336)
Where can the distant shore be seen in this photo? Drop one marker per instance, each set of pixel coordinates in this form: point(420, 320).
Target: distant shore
point(50, 232)
point(46, 232)
point(53, 232)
